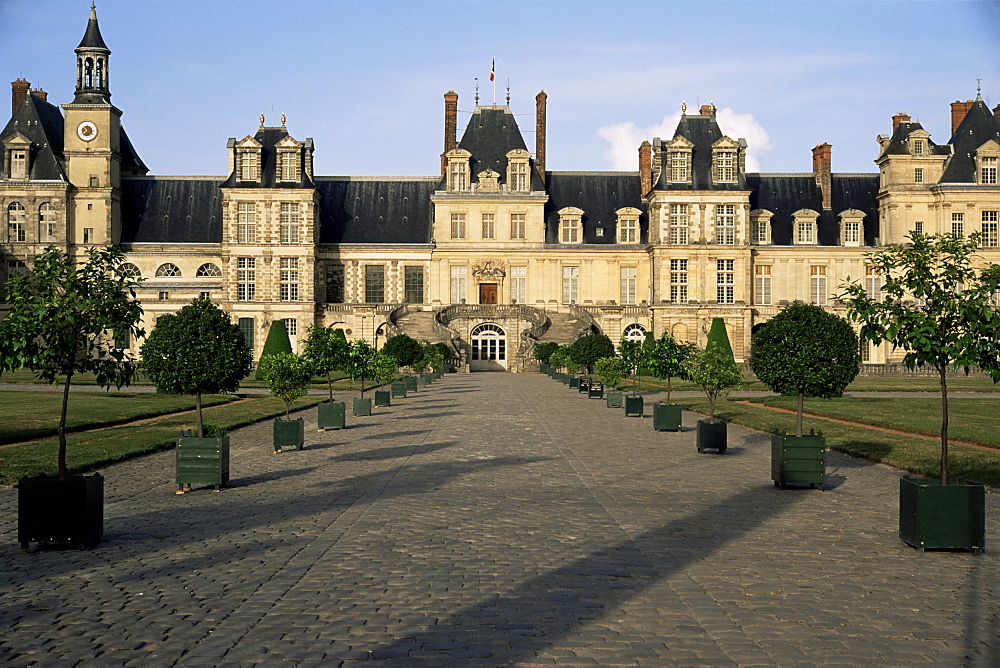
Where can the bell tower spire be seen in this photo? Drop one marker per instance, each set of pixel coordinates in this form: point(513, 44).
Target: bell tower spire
point(92, 65)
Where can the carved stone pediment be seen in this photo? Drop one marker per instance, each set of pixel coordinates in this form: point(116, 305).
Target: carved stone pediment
point(490, 269)
point(489, 182)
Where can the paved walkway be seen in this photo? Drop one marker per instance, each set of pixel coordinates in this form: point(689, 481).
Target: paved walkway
point(499, 519)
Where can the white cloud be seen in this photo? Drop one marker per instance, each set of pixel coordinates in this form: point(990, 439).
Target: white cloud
point(624, 138)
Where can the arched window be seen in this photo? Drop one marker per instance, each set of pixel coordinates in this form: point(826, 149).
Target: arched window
point(15, 222)
point(168, 270)
point(88, 73)
point(129, 270)
point(634, 332)
point(209, 270)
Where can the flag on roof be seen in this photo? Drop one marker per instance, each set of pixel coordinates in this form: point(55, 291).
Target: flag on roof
point(493, 70)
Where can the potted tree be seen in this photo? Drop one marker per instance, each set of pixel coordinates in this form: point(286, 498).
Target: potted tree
point(359, 366)
point(611, 370)
point(666, 359)
point(433, 358)
point(715, 370)
point(447, 357)
point(326, 349)
point(196, 351)
point(288, 377)
point(277, 341)
point(935, 304)
point(631, 354)
point(558, 360)
point(406, 351)
point(60, 322)
point(803, 351)
point(542, 352)
point(384, 370)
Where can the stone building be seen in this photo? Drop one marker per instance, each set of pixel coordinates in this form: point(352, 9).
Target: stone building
point(494, 253)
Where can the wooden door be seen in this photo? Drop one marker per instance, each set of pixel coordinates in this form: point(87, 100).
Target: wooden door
point(487, 293)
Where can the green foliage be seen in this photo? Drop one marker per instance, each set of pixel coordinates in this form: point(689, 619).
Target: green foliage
point(611, 370)
point(405, 349)
point(561, 359)
point(588, 349)
point(666, 358)
point(196, 351)
point(326, 350)
point(287, 375)
point(716, 372)
point(936, 306)
point(383, 368)
point(447, 352)
point(718, 336)
point(359, 363)
point(630, 353)
point(61, 318)
point(543, 351)
point(432, 356)
point(277, 341)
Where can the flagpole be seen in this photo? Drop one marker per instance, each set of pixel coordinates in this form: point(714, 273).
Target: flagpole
point(493, 78)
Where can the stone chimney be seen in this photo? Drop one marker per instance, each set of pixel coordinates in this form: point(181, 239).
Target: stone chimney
point(19, 91)
point(40, 94)
point(450, 127)
point(899, 118)
point(540, 100)
point(958, 112)
point(822, 163)
point(645, 167)
point(708, 109)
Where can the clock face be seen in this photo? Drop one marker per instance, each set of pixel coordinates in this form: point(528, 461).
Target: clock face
point(86, 131)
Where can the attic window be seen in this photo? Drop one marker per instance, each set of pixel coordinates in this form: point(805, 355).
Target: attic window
point(724, 166)
point(517, 171)
point(988, 170)
point(288, 164)
point(18, 164)
point(679, 162)
point(248, 164)
point(628, 225)
point(918, 147)
point(805, 227)
point(570, 225)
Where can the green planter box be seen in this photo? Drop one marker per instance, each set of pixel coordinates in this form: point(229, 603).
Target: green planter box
point(666, 417)
point(399, 388)
point(202, 461)
point(288, 434)
point(574, 382)
point(383, 398)
point(428, 378)
point(933, 516)
point(51, 510)
point(543, 368)
point(615, 399)
point(362, 406)
point(421, 381)
point(633, 406)
point(563, 378)
point(711, 436)
point(798, 459)
point(330, 415)
point(584, 385)
point(411, 383)
point(596, 390)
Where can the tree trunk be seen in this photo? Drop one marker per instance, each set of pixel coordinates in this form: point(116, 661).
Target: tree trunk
point(711, 407)
point(943, 369)
point(201, 424)
point(287, 407)
point(798, 415)
point(62, 429)
point(329, 384)
point(668, 390)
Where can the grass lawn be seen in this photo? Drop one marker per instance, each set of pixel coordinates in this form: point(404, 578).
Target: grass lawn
point(959, 383)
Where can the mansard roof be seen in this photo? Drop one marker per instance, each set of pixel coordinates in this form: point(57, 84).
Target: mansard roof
point(978, 127)
point(898, 144)
point(491, 133)
point(358, 210)
point(702, 131)
point(42, 123)
point(269, 138)
point(177, 209)
point(599, 195)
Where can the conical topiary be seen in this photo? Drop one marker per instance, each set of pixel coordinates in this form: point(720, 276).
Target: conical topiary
point(717, 336)
point(277, 342)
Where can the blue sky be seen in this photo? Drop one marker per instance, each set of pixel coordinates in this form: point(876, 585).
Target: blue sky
point(365, 79)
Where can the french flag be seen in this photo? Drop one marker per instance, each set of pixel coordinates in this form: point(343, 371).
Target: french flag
point(493, 70)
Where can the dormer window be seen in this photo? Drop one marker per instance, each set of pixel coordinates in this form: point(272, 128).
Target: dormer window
point(805, 227)
point(244, 158)
point(458, 170)
point(19, 164)
point(570, 225)
point(628, 225)
point(679, 160)
point(760, 227)
point(918, 147)
point(16, 157)
point(289, 167)
point(852, 231)
point(725, 161)
point(987, 170)
point(517, 171)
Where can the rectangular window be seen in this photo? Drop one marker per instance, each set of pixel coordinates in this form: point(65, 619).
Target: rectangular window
point(18, 164)
point(519, 176)
point(15, 223)
point(990, 220)
point(374, 283)
point(759, 232)
point(489, 226)
point(762, 284)
point(958, 224)
point(518, 285)
point(458, 175)
point(866, 350)
point(204, 295)
point(123, 338)
point(246, 326)
point(288, 279)
point(873, 284)
point(459, 286)
point(679, 281)
point(249, 163)
point(290, 222)
point(14, 267)
point(289, 166)
point(291, 326)
point(164, 296)
point(679, 166)
point(88, 235)
point(95, 182)
point(569, 228)
point(725, 224)
point(246, 279)
point(725, 281)
point(918, 227)
point(628, 231)
point(517, 226)
point(571, 284)
point(246, 223)
point(413, 281)
point(335, 283)
point(918, 175)
point(627, 289)
point(47, 228)
point(678, 223)
point(724, 162)
point(817, 285)
point(988, 170)
point(918, 147)
point(852, 233)
point(806, 232)
point(458, 226)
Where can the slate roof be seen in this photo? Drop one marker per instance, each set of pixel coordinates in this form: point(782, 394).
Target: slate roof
point(131, 163)
point(599, 195)
point(491, 133)
point(897, 142)
point(171, 210)
point(92, 37)
point(702, 131)
point(42, 123)
point(268, 137)
point(355, 210)
point(978, 127)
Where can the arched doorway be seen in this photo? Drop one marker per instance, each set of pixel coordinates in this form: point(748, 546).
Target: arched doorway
point(489, 348)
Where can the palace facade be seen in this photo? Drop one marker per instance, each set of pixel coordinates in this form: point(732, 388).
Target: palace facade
point(494, 253)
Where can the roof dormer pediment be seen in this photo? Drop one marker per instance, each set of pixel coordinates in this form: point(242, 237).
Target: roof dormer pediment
point(288, 142)
point(679, 142)
point(726, 142)
point(458, 153)
point(17, 140)
point(248, 142)
point(989, 148)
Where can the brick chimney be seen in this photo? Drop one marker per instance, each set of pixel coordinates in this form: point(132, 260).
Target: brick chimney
point(40, 94)
point(645, 167)
point(996, 113)
point(899, 118)
point(822, 162)
point(708, 109)
point(540, 100)
point(19, 91)
point(958, 112)
point(450, 127)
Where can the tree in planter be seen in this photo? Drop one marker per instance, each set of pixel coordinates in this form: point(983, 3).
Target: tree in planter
point(432, 356)
point(325, 349)
point(630, 353)
point(277, 341)
point(61, 318)
point(383, 368)
point(447, 352)
point(404, 349)
point(543, 351)
point(196, 351)
point(586, 350)
point(667, 358)
point(805, 351)
point(359, 363)
point(935, 305)
point(611, 370)
point(715, 370)
point(288, 376)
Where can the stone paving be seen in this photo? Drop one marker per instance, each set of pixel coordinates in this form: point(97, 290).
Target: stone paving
point(501, 520)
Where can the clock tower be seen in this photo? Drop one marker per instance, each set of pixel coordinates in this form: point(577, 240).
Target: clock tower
point(93, 147)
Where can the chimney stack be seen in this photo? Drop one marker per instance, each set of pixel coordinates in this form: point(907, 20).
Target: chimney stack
point(645, 167)
point(899, 118)
point(540, 100)
point(822, 164)
point(708, 109)
point(450, 127)
point(19, 91)
point(958, 112)
point(40, 94)
point(996, 113)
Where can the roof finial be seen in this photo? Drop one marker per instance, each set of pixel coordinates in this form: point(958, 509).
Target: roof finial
point(684, 108)
point(477, 91)
point(262, 119)
point(979, 89)
point(282, 119)
point(508, 92)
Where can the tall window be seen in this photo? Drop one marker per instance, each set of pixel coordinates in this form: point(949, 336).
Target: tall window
point(489, 226)
point(990, 239)
point(762, 284)
point(517, 226)
point(335, 283)
point(918, 227)
point(459, 285)
point(19, 164)
point(458, 175)
point(627, 285)
point(288, 279)
point(678, 223)
point(458, 226)
point(725, 224)
point(246, 223)
point(873, 284)
point(571, 284)
point(518, 179)
point(374, 283)
point(292, 328)
point(725, 281)
point(246, 327)
point(918, 147)
point(246, 279)
point(15, 222)
point(289, 222)
point(249, 165)
point(679, 281)
point(852, 233)
point(725, 170)
point(413, 284)
point(958, 224)
point(918, 175)
point(988, 170)
point(680, 166)
point(805, 232)
point(817, 285)
point(628, 231)
point(569, 228)
point(759, 231)
point(48, 230)
point(518, 285)
point(289, 168)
